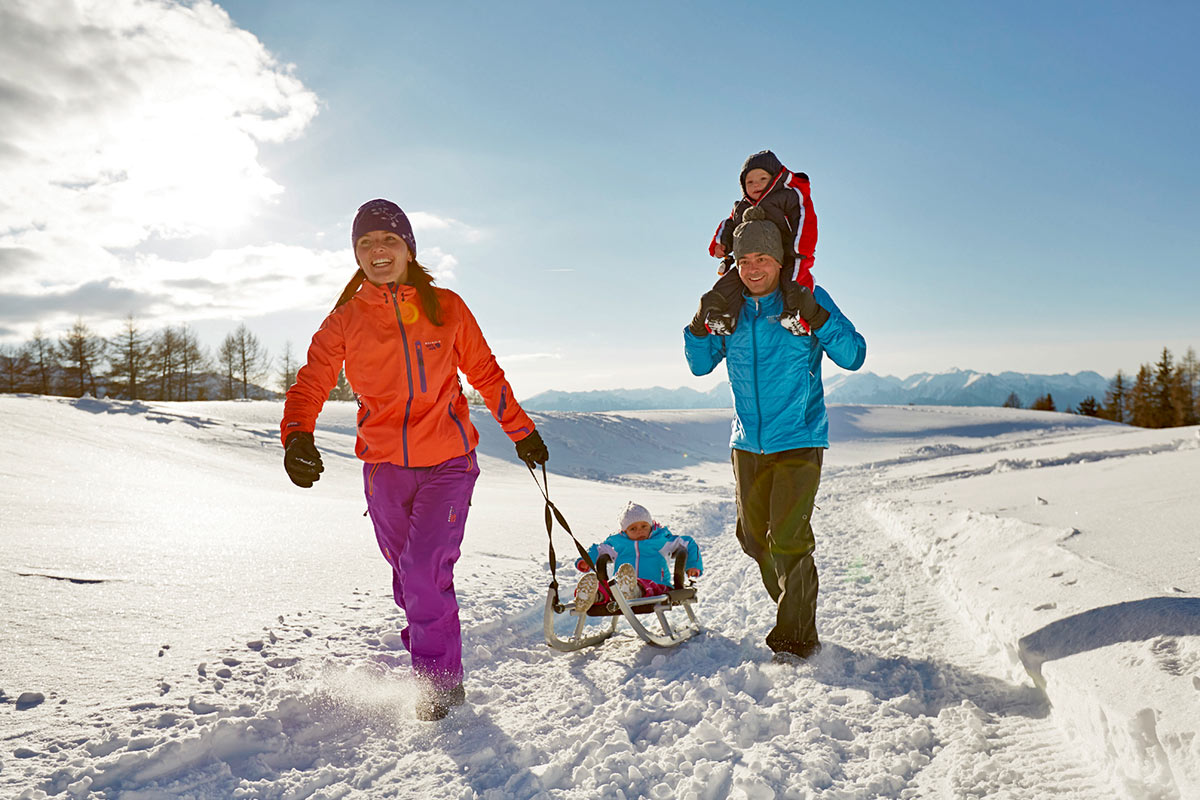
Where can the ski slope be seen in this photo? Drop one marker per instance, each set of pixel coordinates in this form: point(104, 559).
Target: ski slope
point(1010, 603)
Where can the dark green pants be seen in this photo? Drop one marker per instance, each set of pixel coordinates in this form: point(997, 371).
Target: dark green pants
point(775, 496)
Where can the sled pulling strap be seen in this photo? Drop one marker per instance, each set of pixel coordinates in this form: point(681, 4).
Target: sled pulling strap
point(552, 514)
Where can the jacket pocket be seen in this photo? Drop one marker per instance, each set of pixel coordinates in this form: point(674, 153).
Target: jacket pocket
point(420, 363)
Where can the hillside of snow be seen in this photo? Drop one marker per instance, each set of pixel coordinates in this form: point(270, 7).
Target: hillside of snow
point(1010, 602)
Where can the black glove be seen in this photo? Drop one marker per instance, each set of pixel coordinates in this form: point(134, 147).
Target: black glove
point(301, 459)
point(811, 310)
point(532, 450)
point(799, 299)
point(711, 302)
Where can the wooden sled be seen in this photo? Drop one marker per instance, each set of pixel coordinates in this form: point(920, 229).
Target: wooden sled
point(631, 610)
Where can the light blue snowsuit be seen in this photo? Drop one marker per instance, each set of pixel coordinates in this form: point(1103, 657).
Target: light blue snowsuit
point(652, 557)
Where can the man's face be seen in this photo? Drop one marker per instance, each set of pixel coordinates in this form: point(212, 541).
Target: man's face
point(759, 273)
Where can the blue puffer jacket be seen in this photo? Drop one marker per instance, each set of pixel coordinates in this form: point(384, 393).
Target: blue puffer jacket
point(778, 399)
point(653, 557)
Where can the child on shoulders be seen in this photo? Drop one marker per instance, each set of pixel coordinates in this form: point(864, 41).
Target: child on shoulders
point(642, 553)
point(784, 198)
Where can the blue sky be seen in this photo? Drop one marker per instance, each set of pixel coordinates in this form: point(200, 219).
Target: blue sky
point(999, 186)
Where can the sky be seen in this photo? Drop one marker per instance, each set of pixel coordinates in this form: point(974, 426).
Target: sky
point(999, 187)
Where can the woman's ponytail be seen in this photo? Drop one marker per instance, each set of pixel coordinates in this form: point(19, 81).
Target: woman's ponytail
point(351, 288)
point(422, 280)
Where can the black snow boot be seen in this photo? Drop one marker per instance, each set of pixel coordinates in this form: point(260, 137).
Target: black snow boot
point(435, 704)
point(719, 320)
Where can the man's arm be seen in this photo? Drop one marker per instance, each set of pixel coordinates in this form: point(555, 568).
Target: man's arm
point(845, 346)
point(703, 353)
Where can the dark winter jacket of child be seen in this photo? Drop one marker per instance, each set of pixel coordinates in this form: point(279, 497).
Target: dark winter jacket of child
point(652, 557)
point(787, 202)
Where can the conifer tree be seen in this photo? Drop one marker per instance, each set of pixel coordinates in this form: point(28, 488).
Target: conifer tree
point(39, 352)
point(1163, 413)
point(1141, 399)
point(227, 361)
point(1187, 387)
point(193, 362)
point(131, 354)
point(1044, 403)
point(1116, 400)
point(15, 369)
point(243, 361)
point(1012, 401)
point(343, 390)
point(287, 368)
point(1088, 407)
point(165, 361)
point(80, 352)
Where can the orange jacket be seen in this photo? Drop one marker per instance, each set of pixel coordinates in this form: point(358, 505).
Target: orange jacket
point(404, 371)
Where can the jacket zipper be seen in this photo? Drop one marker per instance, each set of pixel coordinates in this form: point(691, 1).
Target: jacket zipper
point(757, 389)
point(408, 370)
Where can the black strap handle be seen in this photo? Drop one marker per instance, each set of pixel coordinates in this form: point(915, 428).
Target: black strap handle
point(552, 514)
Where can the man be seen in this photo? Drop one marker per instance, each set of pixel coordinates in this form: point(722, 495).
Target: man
point(780, 427)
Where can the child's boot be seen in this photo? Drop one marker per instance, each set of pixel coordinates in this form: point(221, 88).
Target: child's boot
point(626, 581)
point(717, 318)
point(793, 296)
point(585, 592)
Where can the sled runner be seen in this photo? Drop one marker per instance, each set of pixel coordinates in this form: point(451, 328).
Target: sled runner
point(630, 609)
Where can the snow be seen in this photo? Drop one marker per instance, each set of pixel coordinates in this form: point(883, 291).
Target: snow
point(1010, 602)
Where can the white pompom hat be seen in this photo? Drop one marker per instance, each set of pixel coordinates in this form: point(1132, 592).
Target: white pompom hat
point(634, 513)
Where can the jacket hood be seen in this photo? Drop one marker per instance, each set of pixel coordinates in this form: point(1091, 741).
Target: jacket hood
point(764, 160)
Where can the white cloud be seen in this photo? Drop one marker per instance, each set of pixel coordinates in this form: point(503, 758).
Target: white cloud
point(123, 120)
point(238, 283)
point(424, 222)
point(439, 262)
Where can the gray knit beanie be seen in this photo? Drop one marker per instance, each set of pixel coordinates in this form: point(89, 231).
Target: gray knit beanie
point(757, 234)
point(633, 513)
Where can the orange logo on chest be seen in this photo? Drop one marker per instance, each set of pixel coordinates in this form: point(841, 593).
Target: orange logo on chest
point(409, 313)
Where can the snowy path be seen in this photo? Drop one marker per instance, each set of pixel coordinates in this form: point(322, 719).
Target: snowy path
point(899, 704)
point(909, 699)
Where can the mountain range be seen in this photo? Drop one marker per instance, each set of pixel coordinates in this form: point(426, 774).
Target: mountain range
point(955, 387)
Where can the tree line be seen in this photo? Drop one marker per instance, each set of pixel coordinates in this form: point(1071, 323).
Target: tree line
point(138, 364)
point(1164, 394)
point(166, 364)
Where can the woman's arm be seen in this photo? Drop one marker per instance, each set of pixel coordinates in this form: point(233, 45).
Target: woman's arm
point(316, 378)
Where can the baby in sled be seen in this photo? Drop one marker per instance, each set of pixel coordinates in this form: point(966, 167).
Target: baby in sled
point(642, 553)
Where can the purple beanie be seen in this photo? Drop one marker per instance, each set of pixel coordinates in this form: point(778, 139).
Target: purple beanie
point(383, 215)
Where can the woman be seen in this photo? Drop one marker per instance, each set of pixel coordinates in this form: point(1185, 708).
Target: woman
point(403, 342)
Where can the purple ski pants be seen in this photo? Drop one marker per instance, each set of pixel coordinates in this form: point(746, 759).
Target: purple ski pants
point(419, 514)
